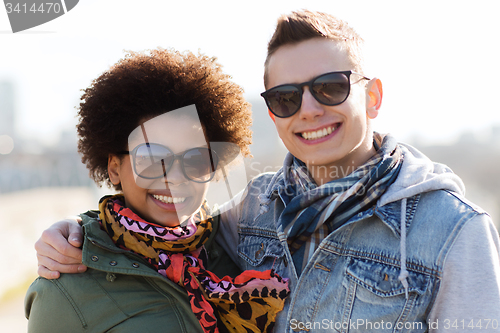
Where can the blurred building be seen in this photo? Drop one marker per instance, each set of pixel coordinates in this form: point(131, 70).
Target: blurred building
point(267, 149)
point(476, 162)
point(21, 169)
point(7, 109)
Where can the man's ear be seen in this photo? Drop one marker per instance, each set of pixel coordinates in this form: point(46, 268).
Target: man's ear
point(374, 94)
point(271, 115)
point(114, 163)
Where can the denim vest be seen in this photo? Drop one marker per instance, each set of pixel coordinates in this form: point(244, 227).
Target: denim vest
point(351, 282)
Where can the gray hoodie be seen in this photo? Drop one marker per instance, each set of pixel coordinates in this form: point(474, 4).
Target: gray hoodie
point(471, 272)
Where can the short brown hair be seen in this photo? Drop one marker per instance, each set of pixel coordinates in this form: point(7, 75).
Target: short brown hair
point(144, 85)
point(304, 25)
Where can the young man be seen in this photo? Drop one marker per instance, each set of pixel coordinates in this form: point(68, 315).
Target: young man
point(372, 234)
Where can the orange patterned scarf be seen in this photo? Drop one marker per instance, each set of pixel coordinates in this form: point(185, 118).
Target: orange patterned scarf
point(247, 303)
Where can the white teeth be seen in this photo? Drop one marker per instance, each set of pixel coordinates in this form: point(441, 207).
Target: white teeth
point(318, 134)
point(167, 199)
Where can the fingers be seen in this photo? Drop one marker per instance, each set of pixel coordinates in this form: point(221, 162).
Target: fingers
point(45, 250)
point(47, 273)
point(55, 245)
point(51, 262)
point(75, 234)
point(58, 250)
point(50, 269)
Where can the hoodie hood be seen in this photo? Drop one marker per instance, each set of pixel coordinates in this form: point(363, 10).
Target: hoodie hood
point(419, 174)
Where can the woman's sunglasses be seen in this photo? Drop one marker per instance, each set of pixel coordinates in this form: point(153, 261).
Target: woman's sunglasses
point(328, 89)
point(152, 160)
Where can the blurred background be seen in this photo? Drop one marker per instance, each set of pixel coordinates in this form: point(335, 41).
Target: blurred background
point(438, 62)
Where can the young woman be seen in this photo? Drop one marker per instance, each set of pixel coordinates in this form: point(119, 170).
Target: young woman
point(149, 126)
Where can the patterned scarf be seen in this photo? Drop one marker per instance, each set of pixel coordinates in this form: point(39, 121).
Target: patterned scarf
point(247, 303)
point(312, 212)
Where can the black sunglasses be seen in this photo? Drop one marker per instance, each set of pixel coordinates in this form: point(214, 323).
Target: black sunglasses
point(328, 89)
point(152, 160)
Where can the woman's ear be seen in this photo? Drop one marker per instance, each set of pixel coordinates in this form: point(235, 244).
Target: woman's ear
point(114, 163)
point(374, 97)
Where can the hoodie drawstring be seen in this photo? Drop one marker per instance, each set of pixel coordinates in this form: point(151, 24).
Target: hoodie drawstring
point(403, 275)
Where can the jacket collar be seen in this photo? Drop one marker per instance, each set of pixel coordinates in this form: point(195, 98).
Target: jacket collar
point(100, 253)
point(390, 214)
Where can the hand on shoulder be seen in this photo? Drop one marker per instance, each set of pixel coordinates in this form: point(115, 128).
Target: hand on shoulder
point(58, 249)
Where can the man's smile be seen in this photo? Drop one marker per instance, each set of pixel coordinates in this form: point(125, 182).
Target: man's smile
point(319, 133)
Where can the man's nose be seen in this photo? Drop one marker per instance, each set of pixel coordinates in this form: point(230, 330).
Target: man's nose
point(310, 107)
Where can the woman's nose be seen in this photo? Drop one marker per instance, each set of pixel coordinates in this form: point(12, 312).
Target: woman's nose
point(175, 175)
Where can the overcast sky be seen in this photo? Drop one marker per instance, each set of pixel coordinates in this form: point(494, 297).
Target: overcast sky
point(438, 60)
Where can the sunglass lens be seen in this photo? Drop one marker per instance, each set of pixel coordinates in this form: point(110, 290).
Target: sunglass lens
point(283, 101)
point(200, 164)
point(152, 161)
point(331, 89)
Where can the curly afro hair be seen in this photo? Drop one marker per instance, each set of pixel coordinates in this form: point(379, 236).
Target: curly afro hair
point(143, 85)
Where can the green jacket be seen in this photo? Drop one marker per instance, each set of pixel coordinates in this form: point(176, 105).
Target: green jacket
point(120, 291)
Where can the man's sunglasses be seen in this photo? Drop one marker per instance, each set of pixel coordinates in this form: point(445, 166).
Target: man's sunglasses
point(328, 89)
point(152, 160)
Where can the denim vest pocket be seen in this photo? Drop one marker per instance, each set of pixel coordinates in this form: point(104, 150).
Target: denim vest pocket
point(375, 298)
point(260, 251)
point(382, 279)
